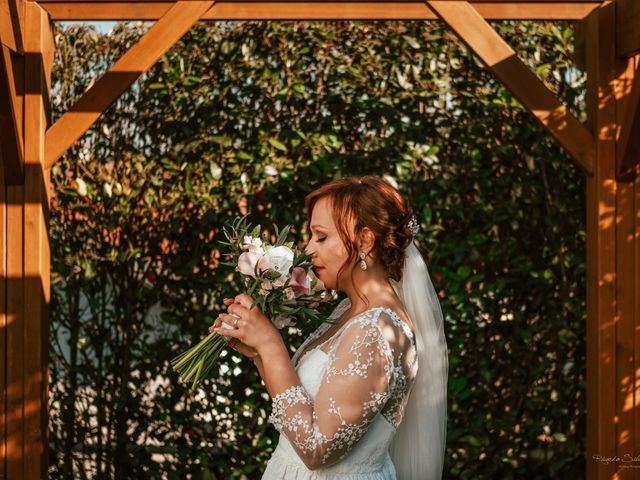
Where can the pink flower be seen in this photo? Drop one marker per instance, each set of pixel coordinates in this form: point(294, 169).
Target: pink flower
point(263, 264)
point(247, 262)
point(280, 281)
point(300, 281)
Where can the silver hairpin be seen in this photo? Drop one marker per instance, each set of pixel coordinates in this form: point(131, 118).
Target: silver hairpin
point(413, 225)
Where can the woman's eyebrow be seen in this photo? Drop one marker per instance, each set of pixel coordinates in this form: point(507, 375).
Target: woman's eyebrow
point(316, 227)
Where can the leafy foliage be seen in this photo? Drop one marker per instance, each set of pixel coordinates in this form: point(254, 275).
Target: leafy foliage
point(250, 117)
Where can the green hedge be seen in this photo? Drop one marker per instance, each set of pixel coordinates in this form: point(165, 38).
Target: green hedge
point(251, 117)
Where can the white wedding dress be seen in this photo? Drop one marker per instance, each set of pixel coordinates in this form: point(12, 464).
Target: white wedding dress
point(355, 385)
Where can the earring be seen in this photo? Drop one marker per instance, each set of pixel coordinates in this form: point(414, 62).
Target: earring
point(363, 264)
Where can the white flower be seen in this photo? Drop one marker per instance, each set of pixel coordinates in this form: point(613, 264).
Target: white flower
point(108, 190)
point(252, 244)
point(278, 259)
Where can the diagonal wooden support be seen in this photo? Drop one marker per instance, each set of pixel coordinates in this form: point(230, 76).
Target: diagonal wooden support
point(528, 89)
point(12, 24)
point(11, 108)
point(160, 38)
point(628, 144)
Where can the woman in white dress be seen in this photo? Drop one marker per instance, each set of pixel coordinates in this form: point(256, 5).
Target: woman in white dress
point(364, 397)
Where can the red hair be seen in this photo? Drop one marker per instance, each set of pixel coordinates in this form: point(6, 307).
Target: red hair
point(371, 202)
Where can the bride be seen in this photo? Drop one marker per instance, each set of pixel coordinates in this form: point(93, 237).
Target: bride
point(364, 397)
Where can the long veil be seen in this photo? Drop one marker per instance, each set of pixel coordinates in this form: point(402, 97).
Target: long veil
point(418, 447)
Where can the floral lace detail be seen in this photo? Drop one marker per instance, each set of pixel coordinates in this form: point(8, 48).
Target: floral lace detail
point(280, 403)
point(370, 369)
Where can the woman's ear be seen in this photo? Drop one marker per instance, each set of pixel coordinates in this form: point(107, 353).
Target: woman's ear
point(367, 240)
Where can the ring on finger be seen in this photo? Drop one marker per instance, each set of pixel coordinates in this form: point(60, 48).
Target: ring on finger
point(235, 323)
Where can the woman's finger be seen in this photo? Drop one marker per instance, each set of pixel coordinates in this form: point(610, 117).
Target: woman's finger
point(238, 310)
point(235, 333)
point(244, 300)
point(231, 320)
point(216, 323)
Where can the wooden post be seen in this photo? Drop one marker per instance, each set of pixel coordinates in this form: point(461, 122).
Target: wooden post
point(38, 44)
point(24, 269)
point(627, 242)
point(611, 265)
point(601, 193)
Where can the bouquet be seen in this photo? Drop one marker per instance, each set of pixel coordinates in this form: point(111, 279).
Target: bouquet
point(278, 277)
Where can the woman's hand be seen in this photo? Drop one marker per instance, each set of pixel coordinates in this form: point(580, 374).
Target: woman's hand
point(235, 343)
point(254, 330)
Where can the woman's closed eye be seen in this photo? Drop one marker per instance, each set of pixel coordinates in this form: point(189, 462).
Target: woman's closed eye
point(322, 239)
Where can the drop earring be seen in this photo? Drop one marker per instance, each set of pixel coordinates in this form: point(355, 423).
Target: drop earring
point(363, 264)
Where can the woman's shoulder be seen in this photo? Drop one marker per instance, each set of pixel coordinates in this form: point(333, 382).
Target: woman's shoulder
point(389, 320)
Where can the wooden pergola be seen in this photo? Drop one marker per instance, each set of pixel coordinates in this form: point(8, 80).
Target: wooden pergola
point(607, 149)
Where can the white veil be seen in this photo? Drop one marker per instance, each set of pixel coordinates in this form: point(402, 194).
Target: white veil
point(418, 447)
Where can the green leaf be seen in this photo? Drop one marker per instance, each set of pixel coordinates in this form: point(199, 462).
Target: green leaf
point(412, 41)
point(276, 144)
point(222, 140)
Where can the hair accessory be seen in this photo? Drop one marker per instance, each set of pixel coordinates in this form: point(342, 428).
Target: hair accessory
point(363, 264)
point(413, 225)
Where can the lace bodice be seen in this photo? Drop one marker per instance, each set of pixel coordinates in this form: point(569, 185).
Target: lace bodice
point(370, 368)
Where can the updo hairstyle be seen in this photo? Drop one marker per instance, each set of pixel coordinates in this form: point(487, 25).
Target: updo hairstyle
point(370, 202)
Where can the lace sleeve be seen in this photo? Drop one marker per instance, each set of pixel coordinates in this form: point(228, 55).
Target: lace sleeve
point(354, 388)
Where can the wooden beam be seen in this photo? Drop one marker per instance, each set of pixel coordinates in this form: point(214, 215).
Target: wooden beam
point(628, 144)
point(601, 247)
point(528, 89)
point(636, 378)
point(11, 106)
point(73, 11)
point(3, 326)
point(625, 330)
point(11, 24)
point(627, 27)
point(153, 44)
point(36, 244)
point(14, 333)
point(580, 45)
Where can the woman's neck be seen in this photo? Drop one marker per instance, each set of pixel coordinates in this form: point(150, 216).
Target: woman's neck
point(374, 286)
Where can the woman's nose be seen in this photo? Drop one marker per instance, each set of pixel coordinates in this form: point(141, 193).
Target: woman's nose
point(307, 250)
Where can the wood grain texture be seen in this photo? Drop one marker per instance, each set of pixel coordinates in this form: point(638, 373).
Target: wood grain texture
point(12, 24)
point(15, 334)
point(628, 97)
point(11, 111)
point(160, 38)
point(36, 245)
point(528, 89)
point(628, 27)
point(601, 247)
point(636, 394)
point(625, 329)
point(69, 11)
point(3, 326)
